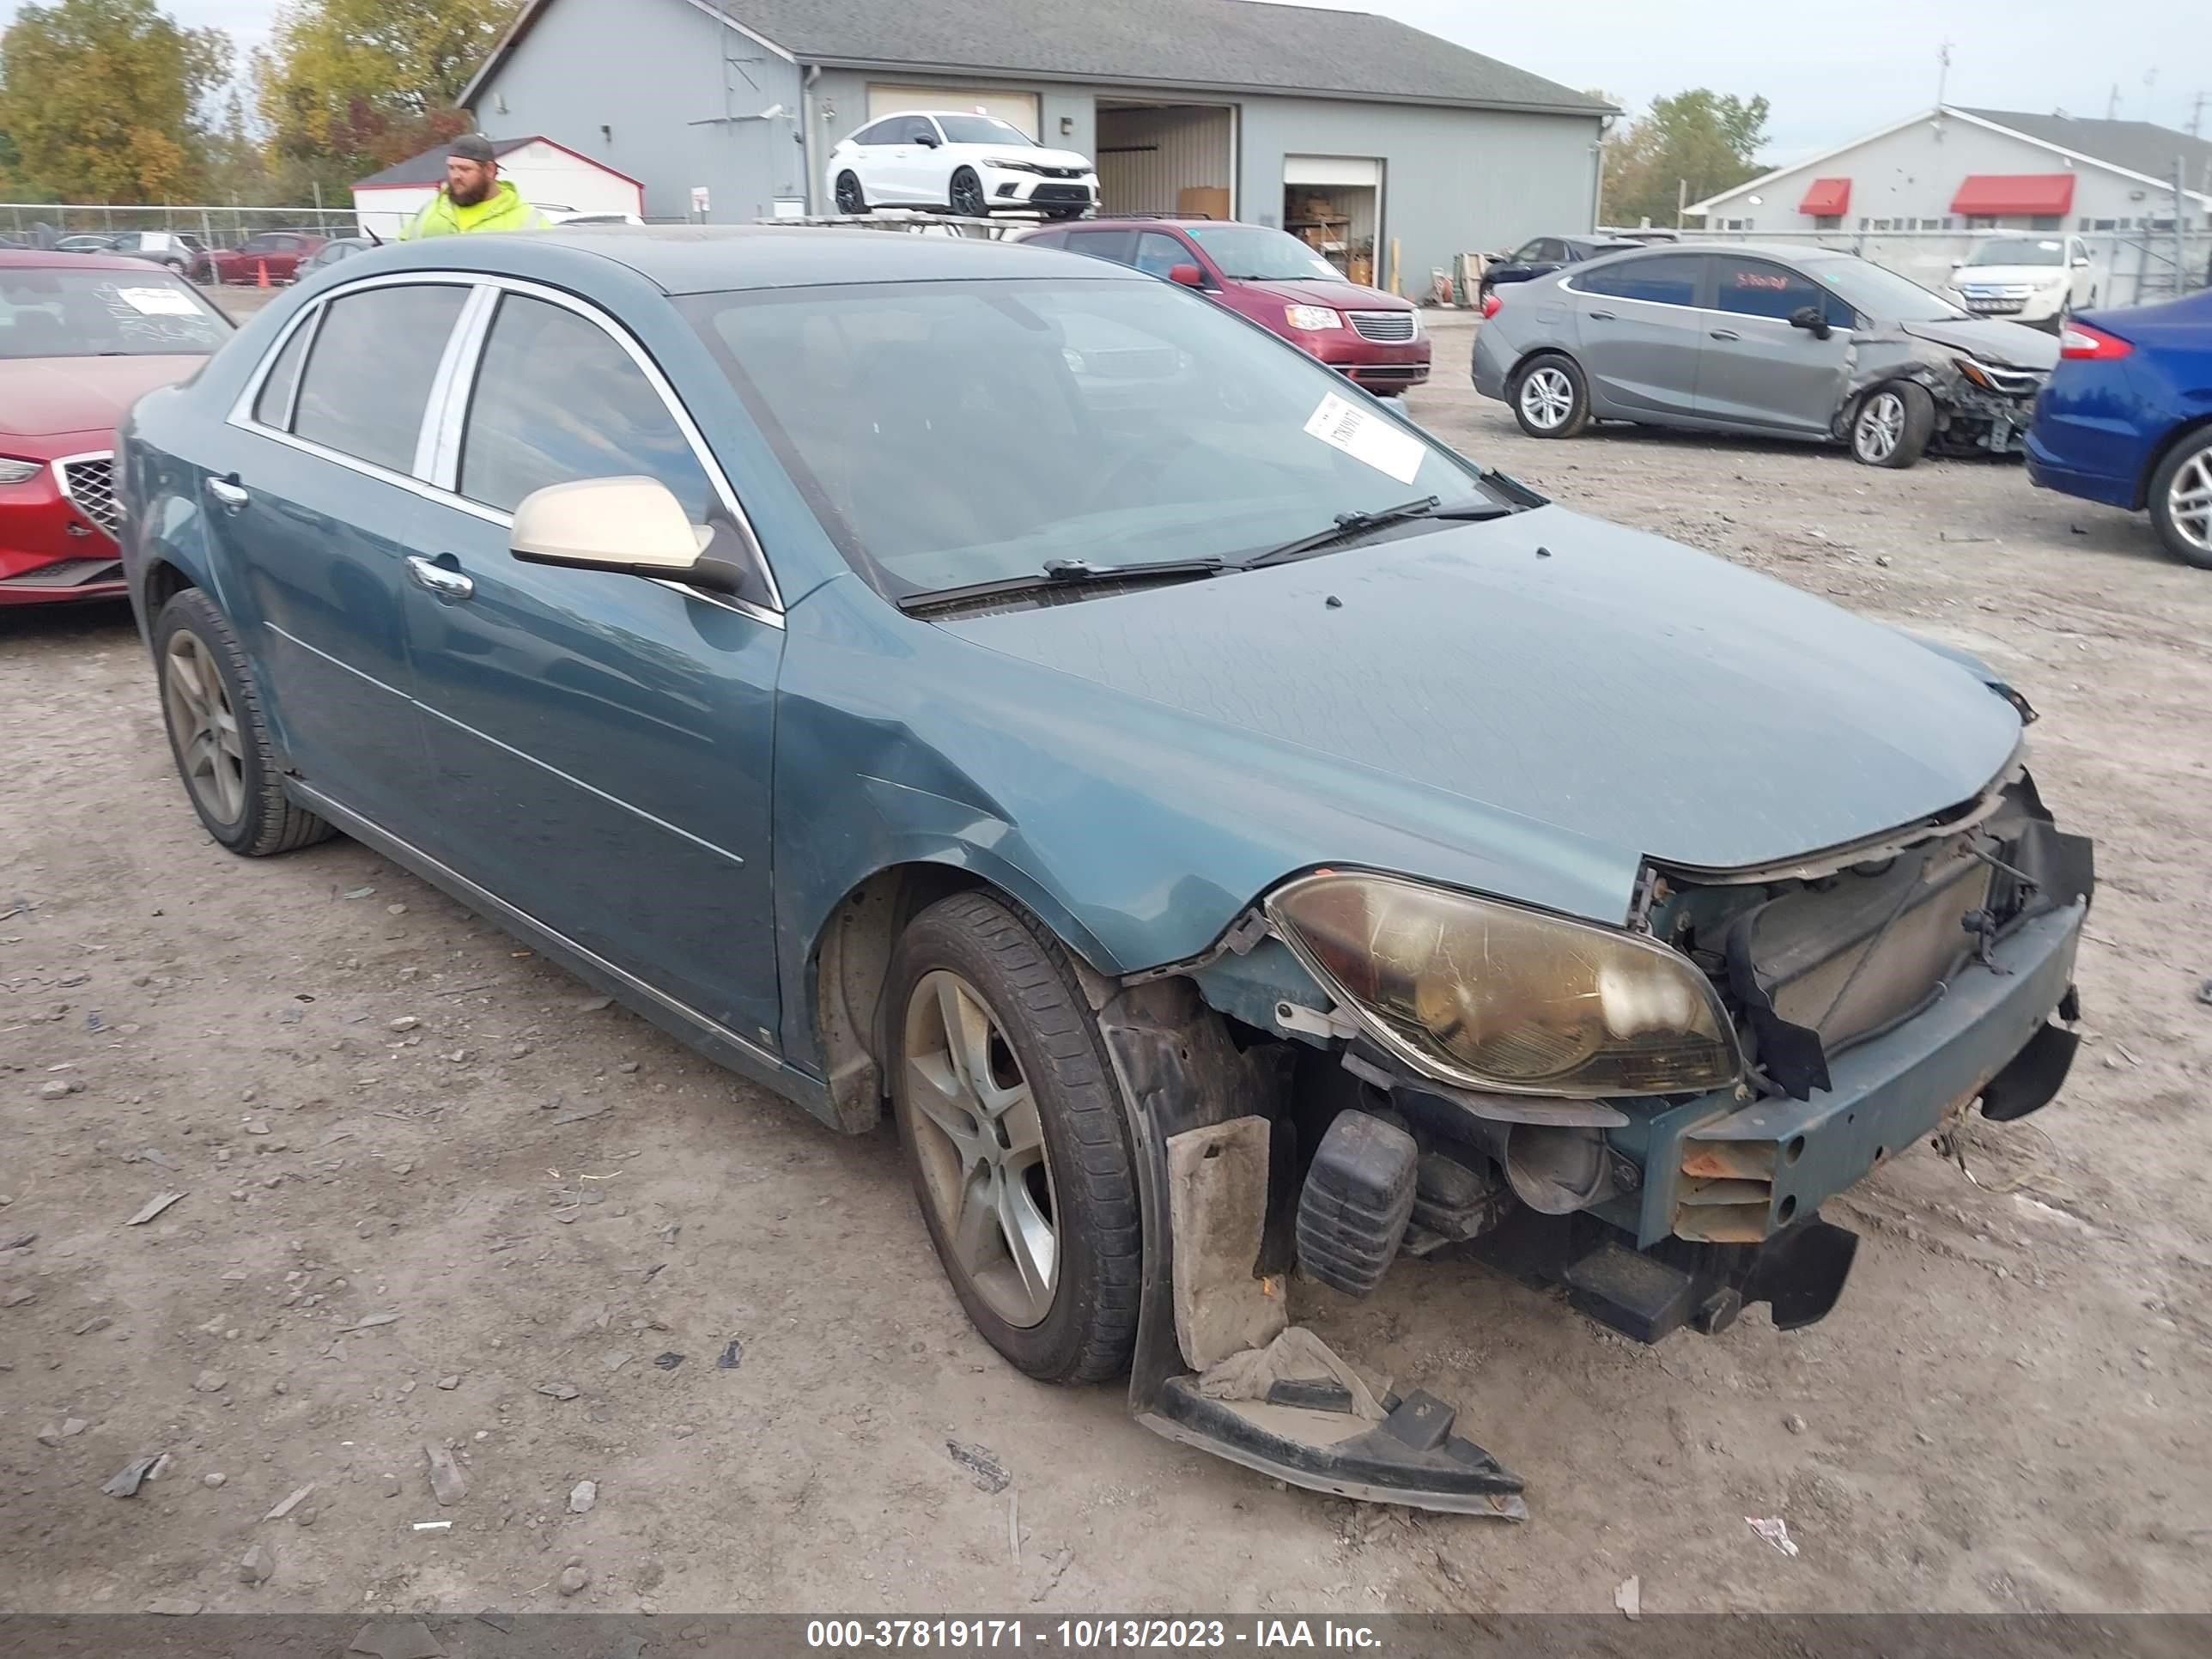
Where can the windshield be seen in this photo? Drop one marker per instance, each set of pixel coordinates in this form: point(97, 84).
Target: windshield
point(1258, 254)
point(104, 313)
point(983, 130)
point(951, 433)
point(1883, 295)
point(2019, 250)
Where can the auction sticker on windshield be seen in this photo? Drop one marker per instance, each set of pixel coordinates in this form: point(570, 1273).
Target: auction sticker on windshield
point(1368, 437)
point(159, 301)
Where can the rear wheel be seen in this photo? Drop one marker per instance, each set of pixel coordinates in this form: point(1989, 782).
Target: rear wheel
point(1893, 425)
point(212, 709)
point(966, 196)
point(1549, 396)
point(2181, 500)
point(1015, 1138)
point(851, 198)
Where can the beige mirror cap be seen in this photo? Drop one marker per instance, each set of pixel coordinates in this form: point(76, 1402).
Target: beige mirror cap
point(630, 521)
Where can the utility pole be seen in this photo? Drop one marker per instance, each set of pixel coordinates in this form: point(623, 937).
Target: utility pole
point(2113, 104)
point(1942, 71)
point(2197, 117)
point(2150, 79)
point(1682, 202)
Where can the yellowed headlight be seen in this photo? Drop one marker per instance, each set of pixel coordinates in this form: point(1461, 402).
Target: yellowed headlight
point(1492, 996)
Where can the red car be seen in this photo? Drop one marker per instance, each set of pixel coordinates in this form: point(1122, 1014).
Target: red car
point(281, 251)
point(1270, 276)
point(82, 336)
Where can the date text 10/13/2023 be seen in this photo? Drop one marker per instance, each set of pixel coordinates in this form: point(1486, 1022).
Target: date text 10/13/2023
point(1089, 1635)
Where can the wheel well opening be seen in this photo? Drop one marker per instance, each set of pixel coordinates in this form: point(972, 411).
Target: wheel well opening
point(164, 581)
point(851, 965)
point(2165, 446)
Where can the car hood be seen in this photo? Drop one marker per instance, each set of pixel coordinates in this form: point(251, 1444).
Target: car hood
point(1626, 691)
point(42, 396)
point(1319, 291)
point(1992, 339)
point(1983, 276)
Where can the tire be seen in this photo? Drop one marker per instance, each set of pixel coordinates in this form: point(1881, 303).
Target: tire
point(218, 735)
point(851, 198)
point(965, 195)
point(1892, 425)
point(2181, 499)
point(1068, 1160)
point(1549, 395)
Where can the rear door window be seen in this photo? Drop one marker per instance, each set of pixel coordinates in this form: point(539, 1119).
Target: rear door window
point(1114, 245)
point(1759, 288)
point(273, 406)
point(882, 133)
point(1670, 279)
point(368, 379)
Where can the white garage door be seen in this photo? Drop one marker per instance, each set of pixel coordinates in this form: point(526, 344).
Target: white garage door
point(1332, 170)
point(1015, 108)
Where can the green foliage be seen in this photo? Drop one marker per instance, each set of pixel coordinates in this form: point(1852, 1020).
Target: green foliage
point(1700, 139)
point(102, 101)
point(347, 87)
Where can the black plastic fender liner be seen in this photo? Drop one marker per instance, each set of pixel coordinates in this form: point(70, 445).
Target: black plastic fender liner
point(2033, 1078)
point(1178, 1071)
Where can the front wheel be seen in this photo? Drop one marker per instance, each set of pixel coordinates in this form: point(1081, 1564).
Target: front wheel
point(212, 708)
point(1893, 425)
point(2181, 500)
point(1015, 1138)
point(1550, 398)
point(966, 198)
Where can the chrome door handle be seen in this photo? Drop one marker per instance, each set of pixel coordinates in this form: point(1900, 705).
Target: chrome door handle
point(447, 585)
point(1600, 316)
point(231, 498)
point(1726, 334)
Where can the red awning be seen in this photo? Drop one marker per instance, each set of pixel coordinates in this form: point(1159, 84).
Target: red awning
point(1994, 194)
point(1827, 198)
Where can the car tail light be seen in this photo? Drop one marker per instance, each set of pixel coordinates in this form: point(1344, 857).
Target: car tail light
point(1490, 303)
point(2082, 341)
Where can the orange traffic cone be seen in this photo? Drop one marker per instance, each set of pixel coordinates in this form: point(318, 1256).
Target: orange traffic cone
point(261, 281)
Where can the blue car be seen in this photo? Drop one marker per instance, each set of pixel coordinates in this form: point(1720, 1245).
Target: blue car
point(1223, 829)
point(2127, 418)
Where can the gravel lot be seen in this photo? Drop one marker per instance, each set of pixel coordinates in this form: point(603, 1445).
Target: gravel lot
point(596, 1259)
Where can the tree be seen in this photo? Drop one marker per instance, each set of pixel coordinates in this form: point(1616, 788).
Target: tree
point(347, 87)
point(103, 101)
point(1700, 139)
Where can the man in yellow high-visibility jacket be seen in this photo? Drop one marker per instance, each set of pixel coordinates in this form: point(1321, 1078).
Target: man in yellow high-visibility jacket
point(474, 197)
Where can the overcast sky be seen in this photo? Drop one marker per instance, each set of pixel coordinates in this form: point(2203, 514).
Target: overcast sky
point(1831, 73)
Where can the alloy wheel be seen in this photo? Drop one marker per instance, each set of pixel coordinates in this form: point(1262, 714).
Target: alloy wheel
point(1547, 397)
point(205, 728)
point(967, 195)
point(850, 199)
point(1880, 427)
point(2188, 500)
point(980, 1144)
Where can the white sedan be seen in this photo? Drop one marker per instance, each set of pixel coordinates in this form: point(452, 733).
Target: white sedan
point(975, 165)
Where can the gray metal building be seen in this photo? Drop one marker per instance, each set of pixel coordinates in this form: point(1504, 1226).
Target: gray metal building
point(1278, 115)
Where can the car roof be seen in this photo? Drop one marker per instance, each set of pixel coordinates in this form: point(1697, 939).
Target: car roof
point(894, 114)
point(19, 259)
point(715, 259)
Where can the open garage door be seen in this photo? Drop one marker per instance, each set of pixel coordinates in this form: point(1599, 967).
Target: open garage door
point(1334, 203)
point(1167, 158)
point(1016, 109)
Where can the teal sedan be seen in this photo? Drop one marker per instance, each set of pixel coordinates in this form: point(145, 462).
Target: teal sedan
point(1227, 831)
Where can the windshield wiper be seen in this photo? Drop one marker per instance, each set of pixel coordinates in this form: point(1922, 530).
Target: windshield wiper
point(1348, 525)
point(1064, 573)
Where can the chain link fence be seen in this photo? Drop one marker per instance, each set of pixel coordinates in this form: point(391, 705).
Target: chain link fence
point(45, 224)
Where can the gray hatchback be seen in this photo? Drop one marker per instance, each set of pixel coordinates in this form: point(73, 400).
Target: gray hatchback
point(1797, 342)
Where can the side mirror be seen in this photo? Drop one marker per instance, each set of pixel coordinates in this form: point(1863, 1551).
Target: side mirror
point(632, 526)
point(2080, 262)
point(928, 141)
point(1811, 320)
point(1188, 274)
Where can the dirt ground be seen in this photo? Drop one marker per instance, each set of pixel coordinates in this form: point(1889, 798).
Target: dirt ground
point(598, 1259)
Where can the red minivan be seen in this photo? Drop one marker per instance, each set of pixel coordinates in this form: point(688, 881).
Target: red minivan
point(1270, 275)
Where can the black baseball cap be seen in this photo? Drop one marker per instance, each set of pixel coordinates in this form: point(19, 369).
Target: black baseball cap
point(471, 147)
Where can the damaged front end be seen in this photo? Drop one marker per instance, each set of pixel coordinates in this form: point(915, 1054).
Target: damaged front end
point(1984, 400)
point(1649, 1117)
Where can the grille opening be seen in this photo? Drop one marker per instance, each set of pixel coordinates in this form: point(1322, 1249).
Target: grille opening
point(89, 482)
